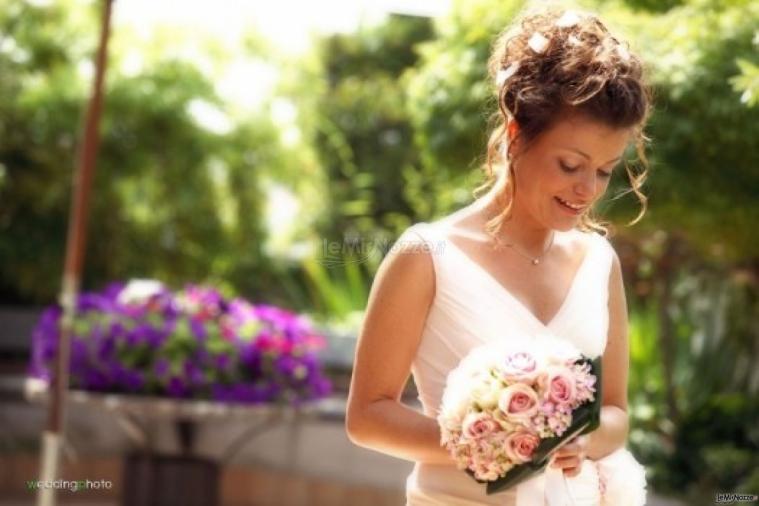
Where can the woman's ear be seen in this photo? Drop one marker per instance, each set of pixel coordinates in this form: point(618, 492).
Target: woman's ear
point(512, 132)
point(512, 129)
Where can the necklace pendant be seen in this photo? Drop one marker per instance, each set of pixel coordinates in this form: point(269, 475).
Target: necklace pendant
point(535, 261)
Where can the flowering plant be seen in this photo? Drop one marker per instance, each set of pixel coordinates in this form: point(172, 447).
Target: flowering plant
point(142, 338)
point(507, 407)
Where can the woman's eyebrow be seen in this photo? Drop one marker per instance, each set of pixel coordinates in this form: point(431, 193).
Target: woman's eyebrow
point(588, 156)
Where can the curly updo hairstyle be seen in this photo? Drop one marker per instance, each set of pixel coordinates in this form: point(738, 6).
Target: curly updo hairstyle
point(553, 63)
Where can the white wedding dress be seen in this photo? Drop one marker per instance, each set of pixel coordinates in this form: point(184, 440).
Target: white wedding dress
point(471, 308)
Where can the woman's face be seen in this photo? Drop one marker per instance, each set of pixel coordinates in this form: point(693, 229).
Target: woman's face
point(566, 170)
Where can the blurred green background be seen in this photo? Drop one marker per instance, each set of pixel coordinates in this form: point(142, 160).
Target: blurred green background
point(293, 197)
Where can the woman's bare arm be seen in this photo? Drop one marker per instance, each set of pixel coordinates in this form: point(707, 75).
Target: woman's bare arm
point(612, 434)
point(399, 301)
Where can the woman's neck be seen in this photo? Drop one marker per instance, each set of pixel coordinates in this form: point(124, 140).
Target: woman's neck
point(520, 228)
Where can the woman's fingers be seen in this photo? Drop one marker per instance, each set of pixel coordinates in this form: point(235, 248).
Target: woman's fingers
point(573, 447)
point(569, 457)
point(569, 449)
point(570, 466)
point(563, 462)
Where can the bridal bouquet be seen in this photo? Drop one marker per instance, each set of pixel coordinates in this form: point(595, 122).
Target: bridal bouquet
point(507, 407)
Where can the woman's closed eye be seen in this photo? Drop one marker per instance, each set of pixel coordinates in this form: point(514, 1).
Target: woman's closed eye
point(569, 169)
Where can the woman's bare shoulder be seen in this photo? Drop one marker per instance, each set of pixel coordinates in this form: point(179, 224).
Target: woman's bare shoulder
point(409, 261)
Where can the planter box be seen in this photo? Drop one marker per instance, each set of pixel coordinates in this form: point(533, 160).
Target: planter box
point(161, 480)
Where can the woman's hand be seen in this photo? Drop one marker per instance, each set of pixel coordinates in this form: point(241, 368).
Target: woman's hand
point(570, 457)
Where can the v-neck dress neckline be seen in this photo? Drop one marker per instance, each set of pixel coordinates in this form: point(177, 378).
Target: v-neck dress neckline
point(521, 306)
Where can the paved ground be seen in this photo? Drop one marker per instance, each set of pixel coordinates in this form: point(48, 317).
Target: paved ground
point(654, 501)
point(297, 447)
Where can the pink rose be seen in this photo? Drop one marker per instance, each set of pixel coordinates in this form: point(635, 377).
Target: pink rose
point(520, 446)
point(518, 402)
point(519, 366)
point(478, 425)
point(561, 385)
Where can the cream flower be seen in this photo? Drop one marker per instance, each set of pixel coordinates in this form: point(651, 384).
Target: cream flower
point(505, 73)
point(569, 18)
point(623, 52)
point(538, 43)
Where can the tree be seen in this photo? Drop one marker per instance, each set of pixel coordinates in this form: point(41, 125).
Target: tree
point(361, 130)
point(174, 197)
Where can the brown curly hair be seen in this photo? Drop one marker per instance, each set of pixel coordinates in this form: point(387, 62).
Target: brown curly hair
point(577, 67)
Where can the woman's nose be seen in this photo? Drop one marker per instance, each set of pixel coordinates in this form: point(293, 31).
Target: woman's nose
point(586, 186)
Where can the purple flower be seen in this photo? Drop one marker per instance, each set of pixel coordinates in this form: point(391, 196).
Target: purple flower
point(79, 353)
point(198, 329)
point(250, 356)
point(94, 302)
point(201, 356)
point(129, 379)
point(154, 337)
point(94, 379)
point(106, 348)
point(321, 387)
point(286, 365)
point(135, 337)
point(117, 329)
point(161, 367)
point(260, 353)
point(193, 373)
point(222, 361)
point(177, 387)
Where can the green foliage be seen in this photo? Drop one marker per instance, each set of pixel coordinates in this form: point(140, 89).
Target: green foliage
point(654, 5)
point(361, 131)
point(717, 444)
point(747, 83)
point(704, 175)
point(41, 96)
point(353, 112)
point(173, 198)
point(450, 99)
point(338, 291)
point(716, 383)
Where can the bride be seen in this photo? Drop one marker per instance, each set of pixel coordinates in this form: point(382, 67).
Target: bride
point(527, 257)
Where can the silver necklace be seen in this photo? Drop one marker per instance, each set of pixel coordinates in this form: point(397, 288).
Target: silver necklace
point(533, 260)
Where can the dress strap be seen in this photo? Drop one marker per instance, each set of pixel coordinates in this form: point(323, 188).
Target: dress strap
point(603, 254)
point(430, 234)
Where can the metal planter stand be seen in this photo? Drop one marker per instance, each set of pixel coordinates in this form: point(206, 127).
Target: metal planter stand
point(165, 480)
point(185, 478)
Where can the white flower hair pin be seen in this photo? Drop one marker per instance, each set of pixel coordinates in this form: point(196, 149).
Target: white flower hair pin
point(538, 43)
point(505, 73)
point(623, 52)
point(569, 18)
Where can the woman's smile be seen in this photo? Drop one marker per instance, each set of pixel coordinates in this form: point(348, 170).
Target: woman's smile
point(568, 207)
